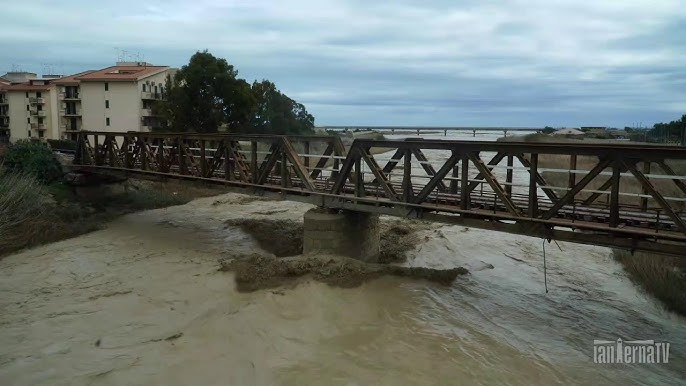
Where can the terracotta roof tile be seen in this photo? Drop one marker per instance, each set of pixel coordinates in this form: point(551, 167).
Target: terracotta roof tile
point(71, 79)
point(121, 73)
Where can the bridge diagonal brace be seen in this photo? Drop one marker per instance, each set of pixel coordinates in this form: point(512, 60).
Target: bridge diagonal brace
point(667, 169)
point(298, 166)
point(493, 162)
point(322, 162)
point(240, 162)
point(645, 183)
point(392, 163)
point(569, 196)
point(428, 168)
point(438, 177)
point(539, 179)
point(603, 187)
point(269, 163)
point(346, 171)
point(495, 185)
point(381, 178)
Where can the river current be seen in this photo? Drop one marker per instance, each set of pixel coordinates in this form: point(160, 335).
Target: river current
point(141, 302)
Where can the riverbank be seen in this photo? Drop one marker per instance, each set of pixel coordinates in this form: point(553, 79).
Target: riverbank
point(34, 213)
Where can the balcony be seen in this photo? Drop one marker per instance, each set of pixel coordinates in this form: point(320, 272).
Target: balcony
point(37, 126)
point(3, 100)
point(151, 95)
point(69, 96)
point(146, 112)
point(37, 101)
point(70, 113)
point(38, 113)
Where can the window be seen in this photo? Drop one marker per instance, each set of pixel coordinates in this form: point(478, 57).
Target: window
point(38, 94)
point(40, 120)
point(29, 133)
point(107, 104)
point(107, 86)
point(27, 95)
point(39, 107)
point(143, 87)
point(40, 134)
point(107, 121)
point(28, 120)
point(27, 107)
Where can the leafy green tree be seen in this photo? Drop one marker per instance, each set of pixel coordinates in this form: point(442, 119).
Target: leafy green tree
point(204, 95)
point(276, 113)
point(548, 130)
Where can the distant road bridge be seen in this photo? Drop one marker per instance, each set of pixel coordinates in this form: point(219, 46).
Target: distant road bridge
point(419, 129)
point(622, 196)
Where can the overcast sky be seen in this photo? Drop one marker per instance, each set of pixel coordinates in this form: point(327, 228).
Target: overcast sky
point(443, 62)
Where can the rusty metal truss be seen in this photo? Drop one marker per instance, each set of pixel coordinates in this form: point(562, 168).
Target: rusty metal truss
point(502, 186)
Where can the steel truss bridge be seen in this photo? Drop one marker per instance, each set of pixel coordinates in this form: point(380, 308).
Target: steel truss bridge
point(622, 196)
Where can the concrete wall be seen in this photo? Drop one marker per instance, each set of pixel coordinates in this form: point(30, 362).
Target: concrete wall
point(345, 233)
point(124, 109)
point(17, 111)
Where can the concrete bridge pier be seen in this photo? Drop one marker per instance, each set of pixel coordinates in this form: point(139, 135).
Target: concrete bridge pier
point(347, 233)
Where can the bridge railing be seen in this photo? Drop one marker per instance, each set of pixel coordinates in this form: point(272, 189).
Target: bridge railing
point(618, 195)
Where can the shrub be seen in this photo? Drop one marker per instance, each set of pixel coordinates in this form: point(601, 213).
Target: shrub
point(33, 158)
point(62, 144)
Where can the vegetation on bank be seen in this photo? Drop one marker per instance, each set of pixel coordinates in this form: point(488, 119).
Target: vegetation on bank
point(36, 207)
point(207, 96)
point(661, 276)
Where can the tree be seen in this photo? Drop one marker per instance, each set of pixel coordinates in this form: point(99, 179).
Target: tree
point(548, 130)
point(672, 131)
point(205, 95)
point(276, 113)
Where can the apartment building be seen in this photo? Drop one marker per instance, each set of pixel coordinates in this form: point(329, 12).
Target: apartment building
point(117, 98)
point(31, 109)
point(120, 98)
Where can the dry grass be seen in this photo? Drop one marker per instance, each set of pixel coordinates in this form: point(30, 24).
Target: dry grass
point(660, 276)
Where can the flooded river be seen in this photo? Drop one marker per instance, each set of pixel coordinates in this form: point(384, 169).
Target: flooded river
point(142, 302)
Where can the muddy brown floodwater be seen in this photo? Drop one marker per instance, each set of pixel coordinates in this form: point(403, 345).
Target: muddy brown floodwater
point(144, 302)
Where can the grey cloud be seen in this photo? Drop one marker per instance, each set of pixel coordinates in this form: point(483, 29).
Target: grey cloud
point(496, 62)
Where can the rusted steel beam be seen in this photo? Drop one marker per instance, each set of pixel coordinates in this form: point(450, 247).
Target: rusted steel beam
point(668, 170)
point(428, 168)
point(539, 177)
point(408, 194)
point(656, 195)
point(437, 178)
point(321, 163)
point(569, 196)
point(464, 183)
point(492, 181)
point(614, 193)
point(644, 200)
point(493, 162)
point(605, 186)
point(381, 178)
point(572, 168)
point(509, 175)
point(268, 164)
point(300, 169)
point(533, 184)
